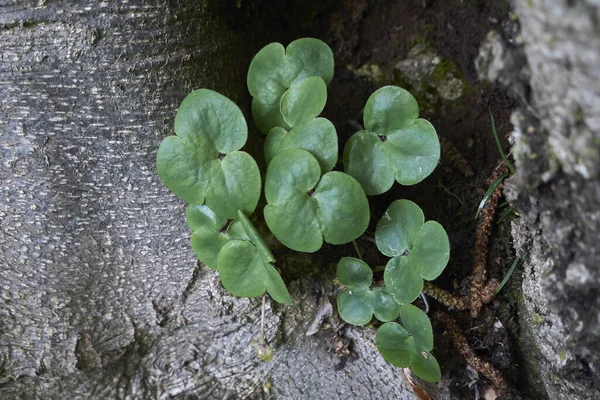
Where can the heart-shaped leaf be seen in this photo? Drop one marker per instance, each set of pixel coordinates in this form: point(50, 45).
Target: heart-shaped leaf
point(304, 100)
point(401, 220)
point(211, 233)
point(402, 280)
point(317, 136)
point(410, 345)
point(304, 208)
point(354, 273)
point(355, 306)
point(356, 302)
point(274, 70)
point(395, 344)
point(420, 250)
point(202, 162)
point(245, 273)
point(385, 307)
point(396, 145)
point(417, 323)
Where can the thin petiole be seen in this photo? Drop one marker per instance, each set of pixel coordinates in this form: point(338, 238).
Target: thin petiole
point(357, 250)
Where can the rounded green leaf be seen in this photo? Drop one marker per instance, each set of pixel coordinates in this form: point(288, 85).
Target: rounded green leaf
point(408, 150)
point(244, 273)
point(270, 67)
point(273, 71)
point(355, 306)
point(385, 307)
point(209, 115)
point(186, 168)
point(343, 208)
point(354, 273)
point(255, 238)
point(302, 210)
point(395, 344)
point(317, 136)
point(266, 110)
point(426, 367)
point(388, 109)
point(417, 151)
point(311, 57)
point(304, 100)
point(235, 185)
point(402, 281)
point(417, 323)
point(290, 173)
point(401, 221)
point(366, 159)
point(294, 223)
point(430, 250)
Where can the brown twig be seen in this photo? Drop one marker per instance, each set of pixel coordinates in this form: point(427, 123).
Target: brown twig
point(457, 160)
point(481, 291)
point(479, 286)
point(455, 334)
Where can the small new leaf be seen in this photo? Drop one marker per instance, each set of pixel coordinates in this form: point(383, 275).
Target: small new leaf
point(396, 145)
point(356, 302)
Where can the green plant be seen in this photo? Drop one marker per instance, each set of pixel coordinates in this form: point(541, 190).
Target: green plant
point(357, 302)
point(202, 164)
point(396, 145)
point(419, 250)
point(307, 202)
point(410, 344)
point(275, 69)
point(304, 207)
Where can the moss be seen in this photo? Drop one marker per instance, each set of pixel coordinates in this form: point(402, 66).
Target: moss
point(443, 70)
point(537, 318)
point(562, 355)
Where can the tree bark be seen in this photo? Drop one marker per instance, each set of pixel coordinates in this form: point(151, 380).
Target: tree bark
point(552, 67)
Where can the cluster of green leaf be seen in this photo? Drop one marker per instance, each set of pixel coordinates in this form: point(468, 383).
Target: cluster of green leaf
point(202, 164)
point(419, 250)
point(307, 202)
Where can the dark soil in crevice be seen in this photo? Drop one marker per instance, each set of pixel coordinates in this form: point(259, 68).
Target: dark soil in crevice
point(383, 33)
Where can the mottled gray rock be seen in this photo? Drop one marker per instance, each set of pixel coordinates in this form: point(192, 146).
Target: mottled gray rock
point(100, 293)
point(556, 189)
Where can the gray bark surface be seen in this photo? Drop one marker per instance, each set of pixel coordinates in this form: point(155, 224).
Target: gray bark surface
point(556, 189)
point(100, 292)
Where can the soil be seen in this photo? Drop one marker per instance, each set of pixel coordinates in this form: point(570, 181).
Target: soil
point(382, 33)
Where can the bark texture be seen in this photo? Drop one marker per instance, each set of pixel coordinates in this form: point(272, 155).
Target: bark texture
point(100, 292)
point(554, 70)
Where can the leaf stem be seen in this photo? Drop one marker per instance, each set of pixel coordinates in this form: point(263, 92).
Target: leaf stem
point(357, 250)
point(262, 317)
